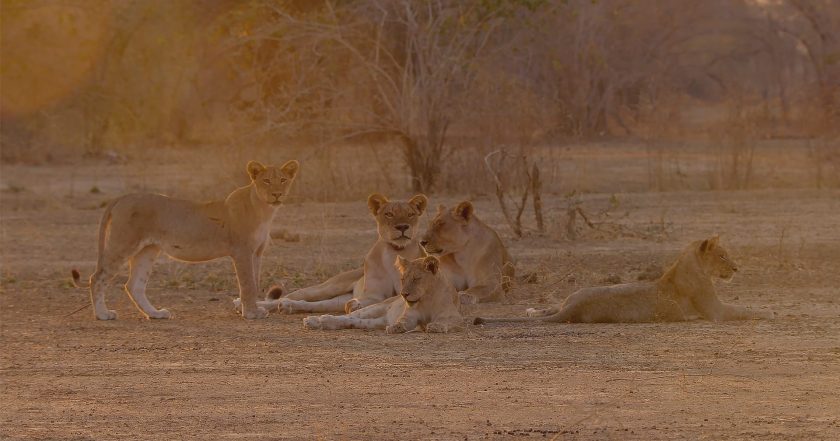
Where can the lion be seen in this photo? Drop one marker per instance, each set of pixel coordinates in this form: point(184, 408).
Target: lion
point(683, 291)
point(427, 300)
point(471, 254)
point(378, 279)
point(138, 227)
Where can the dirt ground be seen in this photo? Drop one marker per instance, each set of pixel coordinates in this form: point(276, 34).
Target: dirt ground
point(208, 374)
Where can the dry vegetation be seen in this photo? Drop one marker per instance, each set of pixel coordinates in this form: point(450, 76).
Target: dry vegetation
point(598, 137)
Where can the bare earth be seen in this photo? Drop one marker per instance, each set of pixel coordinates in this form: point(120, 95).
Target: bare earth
point(208, 374)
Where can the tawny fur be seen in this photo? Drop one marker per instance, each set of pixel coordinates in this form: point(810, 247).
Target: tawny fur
point(471, 254)
point(427, 300)
point(136, 228)
point(685, 290)
point(377, 280)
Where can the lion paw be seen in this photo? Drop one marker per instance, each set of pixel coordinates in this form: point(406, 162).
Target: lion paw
point(258, 313)
point(437, 328)
point(286, 306)
point(108, 314)
point(237, 304)
point(352, 305)
point(467, 298)
point(396, 328)
point(312, 322)
point(161, 314)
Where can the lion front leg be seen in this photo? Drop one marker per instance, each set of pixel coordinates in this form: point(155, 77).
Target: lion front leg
point(248, 289)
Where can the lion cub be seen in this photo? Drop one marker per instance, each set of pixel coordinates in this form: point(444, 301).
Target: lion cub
point(426, 299)
point(684, 290)
point(137, 227)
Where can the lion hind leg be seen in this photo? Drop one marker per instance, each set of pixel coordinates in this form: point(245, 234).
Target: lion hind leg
point(335, 286)
point(336, 304)
point(346, 322)
point(140, 268)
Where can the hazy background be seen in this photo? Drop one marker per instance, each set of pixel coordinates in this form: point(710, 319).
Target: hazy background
point(717, 94)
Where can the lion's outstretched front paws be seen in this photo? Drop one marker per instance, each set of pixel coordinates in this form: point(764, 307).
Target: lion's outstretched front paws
point(352, 305)
point(258, 313)
point(396, 328)
point(160, 314)
point(312, 322)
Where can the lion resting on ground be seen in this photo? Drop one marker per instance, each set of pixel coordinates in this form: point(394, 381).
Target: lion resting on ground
point(427, 300)
point(684, 290)
point(137, 227)
point(471, 254)
point(396, 222)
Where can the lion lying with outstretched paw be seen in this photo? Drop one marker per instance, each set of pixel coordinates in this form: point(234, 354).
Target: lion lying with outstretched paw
point(684, 290)
point(427, 300)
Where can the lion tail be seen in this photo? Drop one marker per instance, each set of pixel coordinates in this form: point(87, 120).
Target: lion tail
point(104, 225)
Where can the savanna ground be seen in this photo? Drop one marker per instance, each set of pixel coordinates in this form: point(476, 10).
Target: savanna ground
point(209, 374)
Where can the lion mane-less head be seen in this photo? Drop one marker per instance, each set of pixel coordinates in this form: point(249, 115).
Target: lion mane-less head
point(715, 259)
point(417, 277)
point(272, 183)
point(396, 221)
point(447, 232)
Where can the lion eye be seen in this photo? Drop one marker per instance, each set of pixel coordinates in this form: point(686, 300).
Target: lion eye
point(410, 214)
point(389, 215)
point(267, 181)
point(283, 180)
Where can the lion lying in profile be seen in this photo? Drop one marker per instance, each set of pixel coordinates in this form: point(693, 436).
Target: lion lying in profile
point(471, 254)
point(396, 223)
point(137, 227)
point(684, 290)
point(427, 300)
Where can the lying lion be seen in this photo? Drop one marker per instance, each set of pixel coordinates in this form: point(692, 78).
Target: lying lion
point(396, 222)
point(137, 227)
point(684, 290)
point(427, 300)
point(471, 254)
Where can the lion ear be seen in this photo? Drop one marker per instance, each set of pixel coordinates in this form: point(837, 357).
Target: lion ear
point(290, 168)
point(419, 202)
point(401, 264)
point(375, 202)
point(254, 169)
point(709, 244)
point(431, 264)
point(464, 210)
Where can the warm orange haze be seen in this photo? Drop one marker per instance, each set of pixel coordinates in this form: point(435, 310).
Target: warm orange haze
point(420, 219)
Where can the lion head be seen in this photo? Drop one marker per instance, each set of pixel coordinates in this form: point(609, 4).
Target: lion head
point(418, 277)
point(715, 259)
point(396, 221)
point(272, 183)
point(447, 232)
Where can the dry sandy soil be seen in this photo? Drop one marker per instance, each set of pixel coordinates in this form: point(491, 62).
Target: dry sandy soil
point(208, 374)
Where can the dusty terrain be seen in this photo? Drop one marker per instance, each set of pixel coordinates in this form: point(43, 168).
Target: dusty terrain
point(208, 374)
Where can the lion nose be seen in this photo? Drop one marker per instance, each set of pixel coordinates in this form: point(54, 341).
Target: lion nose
point(404, 294)
point(735, 269)
point(277, 195)
point(424, 243)
point(402, 227)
